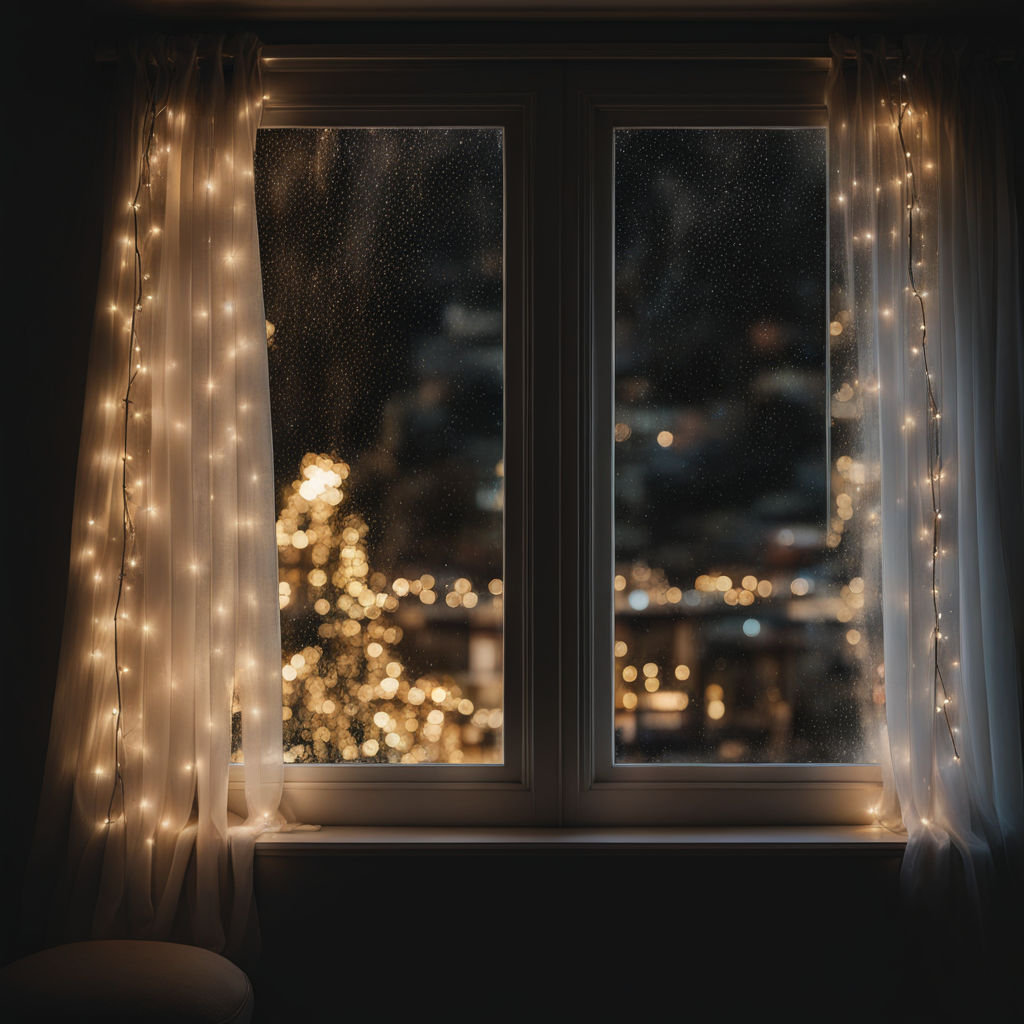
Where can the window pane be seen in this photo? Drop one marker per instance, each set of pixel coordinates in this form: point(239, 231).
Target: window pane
point(744, 624)
point(382, 254)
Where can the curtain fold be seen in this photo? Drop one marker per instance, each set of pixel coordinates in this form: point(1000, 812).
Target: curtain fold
point(927, 260)
point(173, 532)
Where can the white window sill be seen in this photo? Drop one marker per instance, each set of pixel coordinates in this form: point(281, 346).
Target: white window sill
point(869, 840)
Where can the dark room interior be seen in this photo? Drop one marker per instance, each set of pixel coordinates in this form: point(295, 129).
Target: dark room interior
point(631, 925)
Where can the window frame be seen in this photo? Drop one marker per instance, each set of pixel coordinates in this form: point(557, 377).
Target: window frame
point(554, 110)
point(686, 93)
point(312, 92)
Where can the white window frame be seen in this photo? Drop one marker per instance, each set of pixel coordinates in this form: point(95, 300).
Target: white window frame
point(557, 770)
point(304, 90)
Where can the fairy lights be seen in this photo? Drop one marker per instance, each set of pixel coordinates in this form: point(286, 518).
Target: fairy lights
point(127, 557)
point(899, 112)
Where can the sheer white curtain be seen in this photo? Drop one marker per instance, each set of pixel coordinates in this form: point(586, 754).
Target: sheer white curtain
point(173, 529)
point(927, 263)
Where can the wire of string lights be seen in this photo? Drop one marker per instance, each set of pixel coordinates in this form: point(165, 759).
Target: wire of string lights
point(154, 108)
point(901, 108)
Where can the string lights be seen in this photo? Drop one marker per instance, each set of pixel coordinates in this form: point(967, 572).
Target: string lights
point(133, 369)
point(716, 585)
point(899, 111)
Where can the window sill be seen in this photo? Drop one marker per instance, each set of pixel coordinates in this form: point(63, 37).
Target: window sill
point(861, 840)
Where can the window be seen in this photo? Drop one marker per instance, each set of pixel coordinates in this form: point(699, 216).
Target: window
point(727, 647)
point(382, 258)
point(491, 375)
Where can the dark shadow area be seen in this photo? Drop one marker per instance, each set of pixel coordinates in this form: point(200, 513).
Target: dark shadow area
point(571, 935)
point(56, 165)
point(810, 937)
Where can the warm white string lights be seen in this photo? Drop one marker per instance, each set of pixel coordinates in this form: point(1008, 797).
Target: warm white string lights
point(900, 109)
point(133, 368)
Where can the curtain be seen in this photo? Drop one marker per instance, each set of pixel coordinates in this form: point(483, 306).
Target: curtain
point(926, 265)
point(173, 533)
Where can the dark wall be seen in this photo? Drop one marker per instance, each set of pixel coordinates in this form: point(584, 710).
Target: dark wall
point(581, 937)
point(56, 110)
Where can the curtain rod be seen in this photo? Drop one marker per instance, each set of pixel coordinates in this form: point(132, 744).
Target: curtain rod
point(325, 53)
point(319, 53)
point(517, 51)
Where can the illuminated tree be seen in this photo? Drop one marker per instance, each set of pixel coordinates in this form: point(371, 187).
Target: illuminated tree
point(347, 694)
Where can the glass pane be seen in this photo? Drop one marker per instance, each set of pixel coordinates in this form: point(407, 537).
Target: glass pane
point(382, 253)
point(744, 619)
